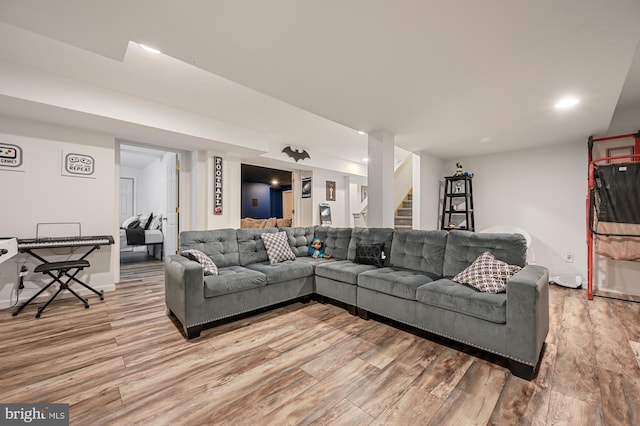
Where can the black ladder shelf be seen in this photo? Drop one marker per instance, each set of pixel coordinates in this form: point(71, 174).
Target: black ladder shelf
point(457, 204)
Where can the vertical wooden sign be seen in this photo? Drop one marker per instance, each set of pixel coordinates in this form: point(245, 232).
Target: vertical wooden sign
point(217, 185)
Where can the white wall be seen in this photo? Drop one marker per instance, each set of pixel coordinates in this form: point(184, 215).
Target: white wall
point(154, 187)
point(339, 207)
point(42, 194)
point(624, 122)
point(150, 186)
point(426, 205)
point(355, 204)
point(136, 175)
point(541, 190)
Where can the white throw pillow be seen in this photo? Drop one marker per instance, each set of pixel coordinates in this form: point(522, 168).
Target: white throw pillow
point(209, 267)
point(277, 245)
point(487, 274)
point(129, 221)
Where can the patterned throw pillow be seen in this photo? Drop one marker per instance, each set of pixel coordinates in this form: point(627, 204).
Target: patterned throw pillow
point(147, 224)
point(209, 267)
point(156, 223)
point(487, 274)
point(370, 254)
point(277, 245)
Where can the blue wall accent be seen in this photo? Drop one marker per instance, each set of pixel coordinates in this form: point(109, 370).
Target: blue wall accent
point(276, 202)
point(269, 200)
point(262, 193)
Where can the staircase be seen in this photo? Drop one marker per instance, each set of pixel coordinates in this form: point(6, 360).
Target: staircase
point(403, 218)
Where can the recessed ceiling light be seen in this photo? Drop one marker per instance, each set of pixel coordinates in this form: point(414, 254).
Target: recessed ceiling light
point(568, 102)
point(360, 132)
point(150, 49)
point(365, 159)
point(485, 140)
point(274, 182)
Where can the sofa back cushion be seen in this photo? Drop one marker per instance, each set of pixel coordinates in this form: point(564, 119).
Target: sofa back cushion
point(221, 245)
point(370, 236)
point(419, 250)
point(251, 247)
point(464, 247)
point(336, 241)
point(300, 239)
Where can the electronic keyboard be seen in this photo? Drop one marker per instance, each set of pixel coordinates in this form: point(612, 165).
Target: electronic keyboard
point(54, 242)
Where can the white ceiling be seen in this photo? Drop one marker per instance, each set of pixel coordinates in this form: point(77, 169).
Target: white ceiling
point(137, 157)
point(454, 79)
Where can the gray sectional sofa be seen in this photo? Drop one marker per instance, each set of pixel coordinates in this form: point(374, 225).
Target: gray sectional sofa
point(413, 286)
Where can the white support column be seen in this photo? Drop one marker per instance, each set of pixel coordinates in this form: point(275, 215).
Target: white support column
point(380, 179)
point(431, 173)
point(415, 184)
point(199, 176)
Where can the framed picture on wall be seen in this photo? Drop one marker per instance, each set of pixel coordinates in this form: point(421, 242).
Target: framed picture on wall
point(363, 193)
point(331, 190)
point(618, 151)
point(78, 165)
point(306, 187)
point(325, 214)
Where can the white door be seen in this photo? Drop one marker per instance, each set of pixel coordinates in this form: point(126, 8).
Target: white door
point(171, 216)
point(126, 198)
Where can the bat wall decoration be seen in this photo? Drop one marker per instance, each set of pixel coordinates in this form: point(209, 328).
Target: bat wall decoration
point(295, 154)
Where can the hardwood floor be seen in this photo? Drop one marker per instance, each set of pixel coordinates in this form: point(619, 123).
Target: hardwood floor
point(123, 361)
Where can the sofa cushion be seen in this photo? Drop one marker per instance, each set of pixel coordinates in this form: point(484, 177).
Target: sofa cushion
point(277, 245)
point(284, 222)
point(394, 281)
point(232, 279)
point(221, 245)
point(336, 241)
point(447, 294)
point(463, 247)
point(208, 266)
point(251, 247)
point(283, 271)
point(311, 261)
point(370, 254)
point(300, 238)
point(344, 271)
point(487, 274)
point(370, 236)
point(249, 222)
point(419, 250)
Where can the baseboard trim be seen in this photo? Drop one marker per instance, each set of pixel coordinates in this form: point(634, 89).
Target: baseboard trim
point(28, 292)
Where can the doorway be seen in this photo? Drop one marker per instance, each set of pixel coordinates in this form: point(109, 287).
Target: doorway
point(266, 193)
point(149, 195)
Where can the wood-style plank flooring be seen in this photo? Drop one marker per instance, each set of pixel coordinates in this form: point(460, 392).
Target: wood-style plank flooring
point(123, 361)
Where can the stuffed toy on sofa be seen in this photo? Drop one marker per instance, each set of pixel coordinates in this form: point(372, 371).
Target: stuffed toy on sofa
point(316, 249)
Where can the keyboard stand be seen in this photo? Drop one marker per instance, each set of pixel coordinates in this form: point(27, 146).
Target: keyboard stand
point(58, 271)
